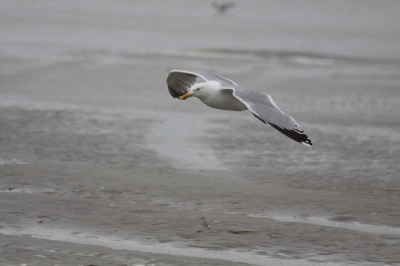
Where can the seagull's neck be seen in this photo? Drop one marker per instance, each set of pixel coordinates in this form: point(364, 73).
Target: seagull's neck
point(208, 85)
point(209, 89)
point(213, 85)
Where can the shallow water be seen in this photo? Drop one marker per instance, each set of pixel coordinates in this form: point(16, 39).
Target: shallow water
point(86, 238)
point(323, 221)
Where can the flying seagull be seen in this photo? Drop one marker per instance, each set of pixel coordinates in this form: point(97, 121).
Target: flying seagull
point(222, 7)
point(222, 93)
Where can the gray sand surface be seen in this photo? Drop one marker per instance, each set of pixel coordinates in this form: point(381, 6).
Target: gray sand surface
point(100, 166)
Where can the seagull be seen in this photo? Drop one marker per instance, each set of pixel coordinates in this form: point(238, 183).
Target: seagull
point(222, 7)
point(222, 93)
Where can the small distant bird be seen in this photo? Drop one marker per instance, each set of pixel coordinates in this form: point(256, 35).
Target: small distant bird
point(222, 7)
point(222, 93)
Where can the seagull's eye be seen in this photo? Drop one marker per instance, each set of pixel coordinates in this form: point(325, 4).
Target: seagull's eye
point(197, 89)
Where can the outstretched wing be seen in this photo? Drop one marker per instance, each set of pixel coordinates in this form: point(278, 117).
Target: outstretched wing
point(265, 109)
point(180, 81)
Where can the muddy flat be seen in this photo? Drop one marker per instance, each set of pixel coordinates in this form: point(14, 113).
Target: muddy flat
point(99, 165)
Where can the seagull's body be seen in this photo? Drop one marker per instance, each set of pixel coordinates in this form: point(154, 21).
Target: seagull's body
point(222, 93)
point(213, 96)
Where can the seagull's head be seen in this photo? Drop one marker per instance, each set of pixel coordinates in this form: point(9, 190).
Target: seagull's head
point(202, 89)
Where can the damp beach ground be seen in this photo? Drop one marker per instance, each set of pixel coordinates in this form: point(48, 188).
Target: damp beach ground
point(100, 166)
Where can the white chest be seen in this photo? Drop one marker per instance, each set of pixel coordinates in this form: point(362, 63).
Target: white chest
point(223, 100)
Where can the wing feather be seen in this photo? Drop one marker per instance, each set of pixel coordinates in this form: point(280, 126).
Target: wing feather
point(180, 81)
point(264, 108)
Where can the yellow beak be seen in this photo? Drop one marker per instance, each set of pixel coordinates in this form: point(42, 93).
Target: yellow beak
point(185, 96)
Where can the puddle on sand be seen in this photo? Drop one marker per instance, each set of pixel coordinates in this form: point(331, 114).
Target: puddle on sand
point(181, 141)
point(86, 238)
point(27, 190)
point(13, 161)
point(367, 228)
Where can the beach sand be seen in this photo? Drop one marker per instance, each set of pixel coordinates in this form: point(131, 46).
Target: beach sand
point(100, 166)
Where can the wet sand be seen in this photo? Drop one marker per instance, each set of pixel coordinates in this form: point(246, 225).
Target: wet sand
point(100, 166)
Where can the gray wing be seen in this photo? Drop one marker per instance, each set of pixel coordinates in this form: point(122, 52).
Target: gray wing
point(265, 109)
point(180, 81)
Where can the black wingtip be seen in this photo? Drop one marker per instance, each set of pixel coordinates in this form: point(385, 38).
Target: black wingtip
point(307, 142)
point(294, 134)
